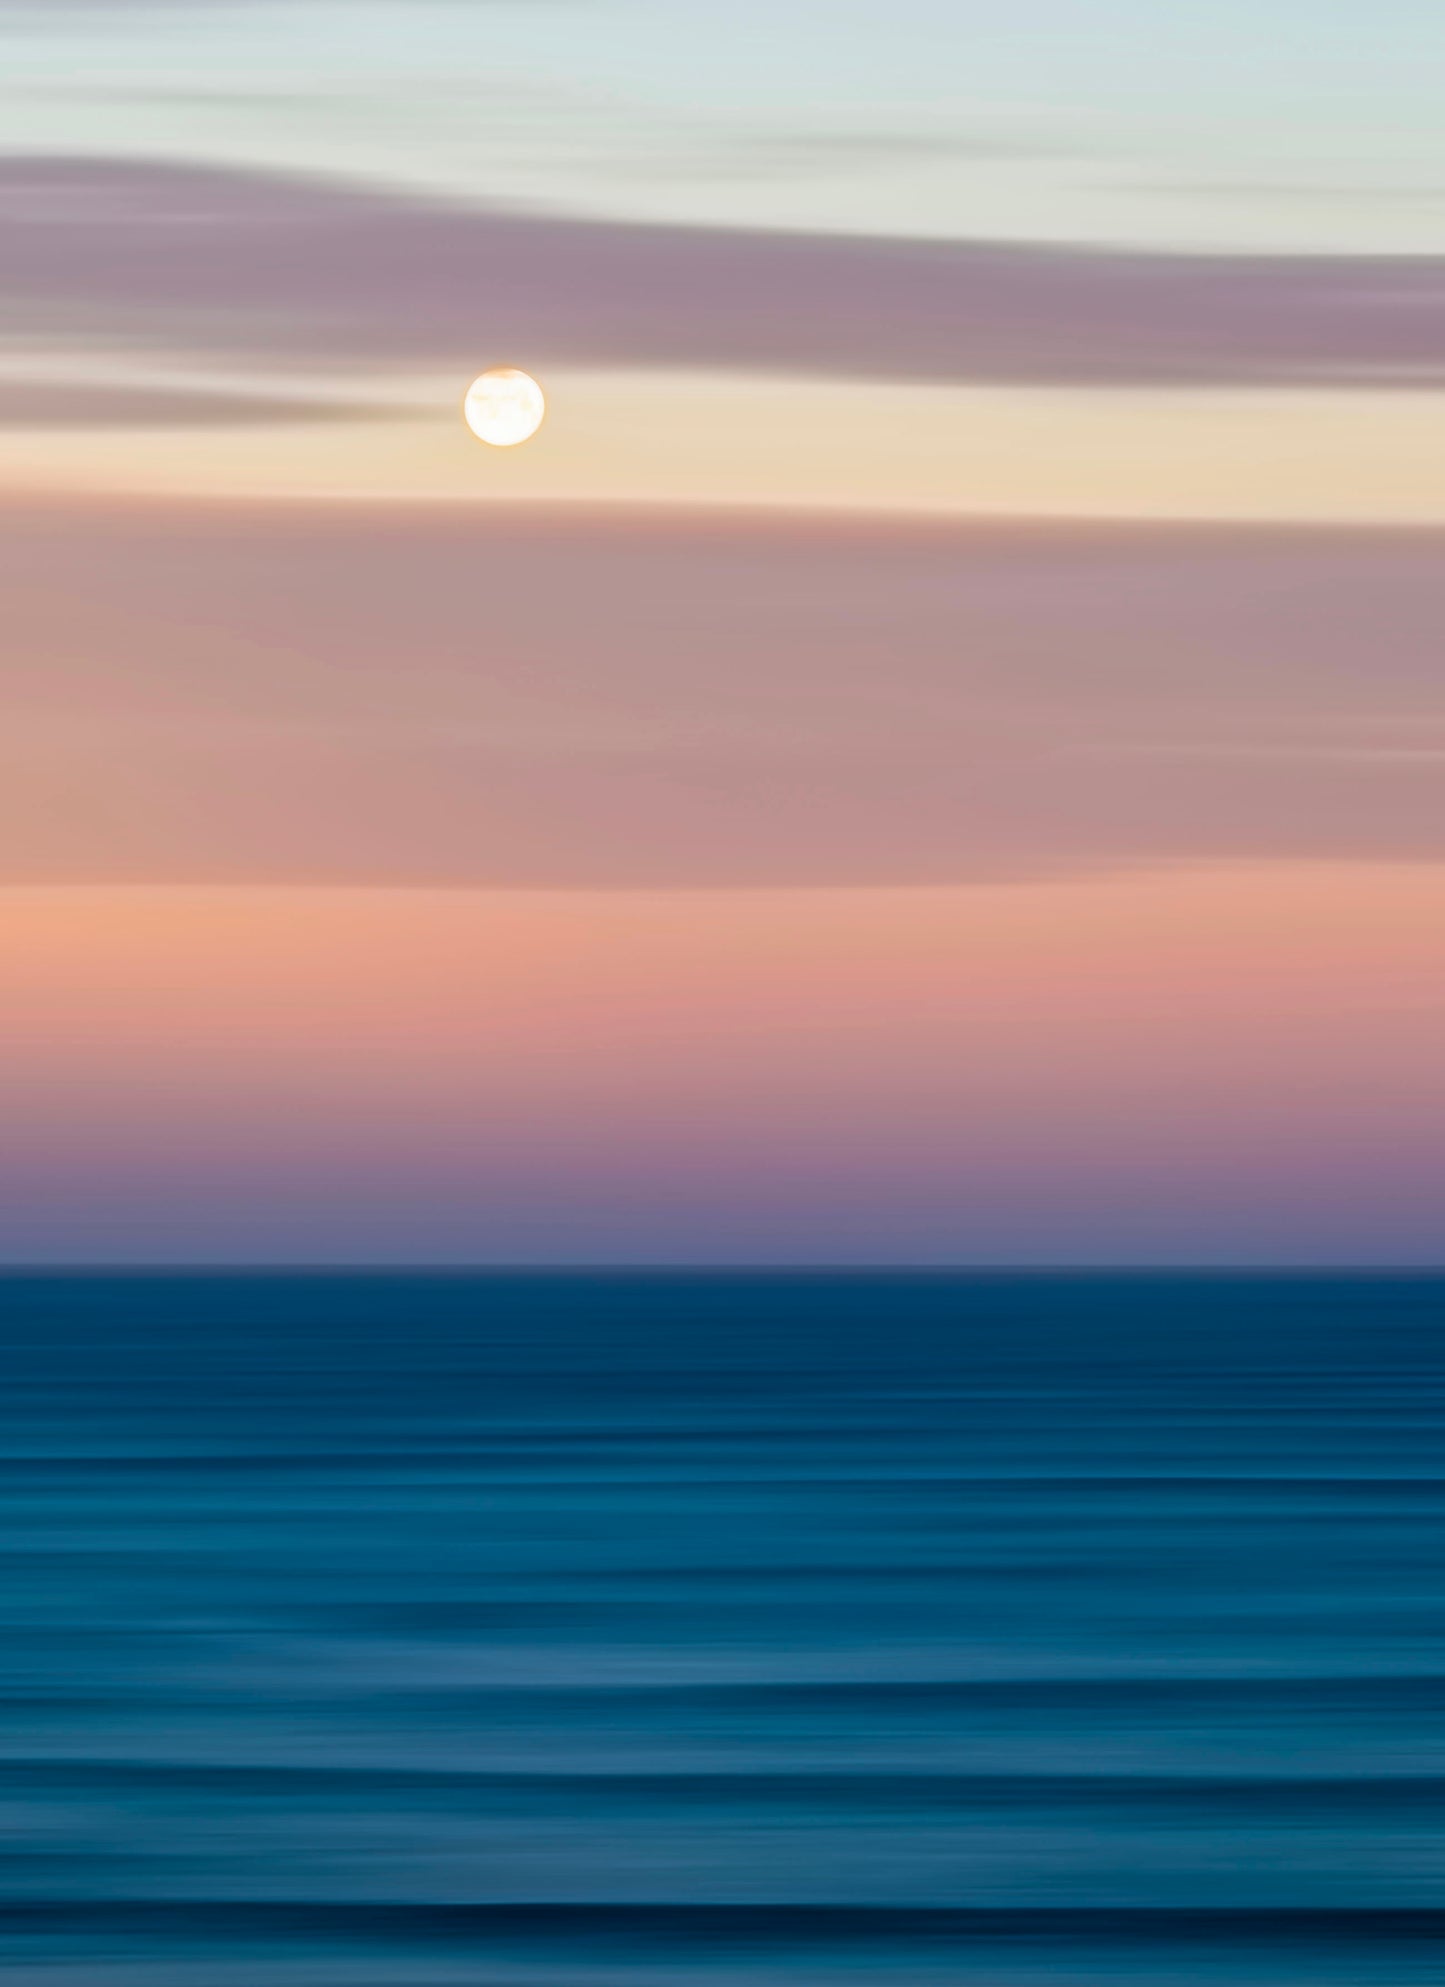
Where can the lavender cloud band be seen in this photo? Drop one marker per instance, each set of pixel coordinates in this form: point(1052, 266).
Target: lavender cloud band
point(271, 269)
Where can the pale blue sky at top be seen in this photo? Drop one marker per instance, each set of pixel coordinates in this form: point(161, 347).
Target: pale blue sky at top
point(1292, 124)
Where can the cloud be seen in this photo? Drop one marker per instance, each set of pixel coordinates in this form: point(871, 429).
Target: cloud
point(45, 403)
point(470, 696)
point(742, 153)
point(240, 265)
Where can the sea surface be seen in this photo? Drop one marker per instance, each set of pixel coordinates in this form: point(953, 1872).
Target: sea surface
point(566, 1630)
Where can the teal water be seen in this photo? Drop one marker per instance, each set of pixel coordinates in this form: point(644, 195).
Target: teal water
point(757, 1629)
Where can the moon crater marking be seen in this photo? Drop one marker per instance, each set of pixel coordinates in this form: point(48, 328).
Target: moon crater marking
point(504, 406)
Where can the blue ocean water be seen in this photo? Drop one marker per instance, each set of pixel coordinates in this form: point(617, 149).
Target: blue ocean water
point(561, 1630)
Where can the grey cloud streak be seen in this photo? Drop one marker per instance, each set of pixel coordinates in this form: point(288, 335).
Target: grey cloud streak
point(240, 265)
point(50, 404)
point(571, 697)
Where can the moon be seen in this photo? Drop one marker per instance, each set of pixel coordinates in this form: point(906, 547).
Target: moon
point(504, 406)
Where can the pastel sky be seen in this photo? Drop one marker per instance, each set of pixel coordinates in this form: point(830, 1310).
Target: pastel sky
point(935, 753)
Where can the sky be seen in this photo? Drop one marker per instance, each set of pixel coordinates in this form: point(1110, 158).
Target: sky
point(1306, 124)
point(936, 751)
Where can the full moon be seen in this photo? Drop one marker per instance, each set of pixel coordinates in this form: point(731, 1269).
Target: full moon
point(504, 406)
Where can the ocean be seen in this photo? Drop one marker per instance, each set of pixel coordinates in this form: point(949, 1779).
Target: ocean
point(560, 1630)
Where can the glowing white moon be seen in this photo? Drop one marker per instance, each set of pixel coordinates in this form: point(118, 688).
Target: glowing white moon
point(504, 406)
